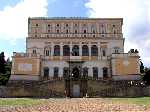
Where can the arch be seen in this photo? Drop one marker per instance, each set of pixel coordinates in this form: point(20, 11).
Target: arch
point(75, 50)
point(85, 50)
point(56, 50)
point(34, 51)
point(116, 50)
point(56, 72)
point(47, 51)
point(95, 72)
point(94, 50)
point(46, 72)
point(66, 50)
point(105, 72)
point(75, 72)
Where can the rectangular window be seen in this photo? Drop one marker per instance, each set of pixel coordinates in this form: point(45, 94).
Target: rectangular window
point(56, 71)
point(95, 72)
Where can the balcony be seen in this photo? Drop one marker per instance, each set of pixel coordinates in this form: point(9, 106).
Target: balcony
point(75, 58)
point(16, 54)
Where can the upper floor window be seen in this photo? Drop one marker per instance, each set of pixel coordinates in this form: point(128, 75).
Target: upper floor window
point(47, 53)
point(67, 31)
point(37, 25)
point(93, 31)
point(116, 49)
point(85, 50)
point(66, 50)
point(48, 25)
point(84, 31)
point(75, 50)
point(57, 25)
point(75, 31)
point(34, 51)
point(67, 25)
point(57, 31)
point(94, 50)
point(102, 31)
point(113, 25)
point(56, 50)
point(75, 25)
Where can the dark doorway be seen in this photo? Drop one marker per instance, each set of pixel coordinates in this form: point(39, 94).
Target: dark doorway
point(46, 72)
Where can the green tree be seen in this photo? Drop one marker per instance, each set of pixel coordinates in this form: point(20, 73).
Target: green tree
point(141, 67)
point(2, 63)
point(5, 69)
point(146, 77)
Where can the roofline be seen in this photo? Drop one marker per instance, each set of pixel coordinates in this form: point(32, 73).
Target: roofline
point(72, 18)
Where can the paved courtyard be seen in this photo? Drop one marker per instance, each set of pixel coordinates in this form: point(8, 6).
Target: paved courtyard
point(77, 105)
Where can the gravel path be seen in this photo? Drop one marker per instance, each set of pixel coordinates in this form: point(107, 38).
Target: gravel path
point(77, 105)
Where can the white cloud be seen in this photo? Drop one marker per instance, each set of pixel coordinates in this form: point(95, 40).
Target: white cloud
point(136, 14)
point(14, 20)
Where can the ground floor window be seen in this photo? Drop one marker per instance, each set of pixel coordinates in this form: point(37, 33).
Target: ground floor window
point(46, 72)
point(95, 72)
point(85, 72)
point(105, 72)
point(65, 72)
point(56, 72)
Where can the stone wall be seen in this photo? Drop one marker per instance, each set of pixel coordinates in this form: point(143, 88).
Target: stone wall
point(56, 88)
point(53, 88)
point(97, 88)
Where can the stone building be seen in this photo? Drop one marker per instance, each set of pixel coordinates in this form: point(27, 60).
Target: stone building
point(75, 48)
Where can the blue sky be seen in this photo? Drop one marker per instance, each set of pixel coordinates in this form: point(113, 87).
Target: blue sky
point(136, 14)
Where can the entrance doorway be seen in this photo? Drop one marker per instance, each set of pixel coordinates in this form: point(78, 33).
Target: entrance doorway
point(76, 90)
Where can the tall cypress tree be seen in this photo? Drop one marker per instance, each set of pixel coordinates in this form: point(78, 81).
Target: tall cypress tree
point(141, 67)
point(2, 63)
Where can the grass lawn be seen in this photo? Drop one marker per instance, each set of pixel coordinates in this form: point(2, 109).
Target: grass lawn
point(32, 101)
point(138, 100)
point(20, 101)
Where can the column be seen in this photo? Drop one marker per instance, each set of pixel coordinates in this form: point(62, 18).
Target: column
point(80, 49)
point(90, 70)
point(99, 53)
point(70, 48)
point(89, 45)
point(61, 72)
point(52, 50)
point(100, 73)
point(51, 71)
point(61, 50)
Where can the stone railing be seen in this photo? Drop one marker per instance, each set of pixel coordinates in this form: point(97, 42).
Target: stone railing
point(124, 54)
point(15, 54)
point(100, 35)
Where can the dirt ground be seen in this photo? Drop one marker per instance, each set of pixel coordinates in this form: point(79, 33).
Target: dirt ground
point(77, 105)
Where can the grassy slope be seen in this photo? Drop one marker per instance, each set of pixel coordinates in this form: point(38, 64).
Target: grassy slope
point(30, 101)
point(138, 100)
point(19, 101)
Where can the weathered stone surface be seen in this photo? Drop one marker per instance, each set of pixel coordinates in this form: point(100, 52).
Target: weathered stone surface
point(56, 88)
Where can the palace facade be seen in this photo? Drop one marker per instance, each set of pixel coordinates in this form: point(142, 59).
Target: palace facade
point(75, 47)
